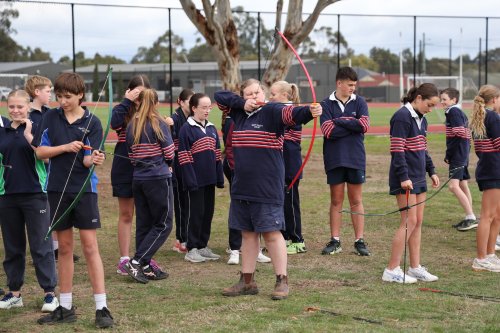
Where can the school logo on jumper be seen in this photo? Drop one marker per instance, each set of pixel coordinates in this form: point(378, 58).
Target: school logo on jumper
point(257, 126)
point(353, 113)
point(95, 220)
point(43, 211)
point(84, 130)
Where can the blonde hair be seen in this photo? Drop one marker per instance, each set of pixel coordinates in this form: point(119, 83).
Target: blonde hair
point(485, 95)
point(35, 82)
point(290, 89)
point(147, 113)
point(20, 94)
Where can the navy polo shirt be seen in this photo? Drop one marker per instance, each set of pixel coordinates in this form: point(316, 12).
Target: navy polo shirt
point(37, 115)
point(4, 121)
point(27, 174)
point(55, 130)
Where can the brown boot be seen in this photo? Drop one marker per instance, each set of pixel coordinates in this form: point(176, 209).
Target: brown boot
point(280, 288)
point(246, 286)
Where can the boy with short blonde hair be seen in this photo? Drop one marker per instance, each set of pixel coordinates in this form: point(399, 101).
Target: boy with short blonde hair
point(40, 90)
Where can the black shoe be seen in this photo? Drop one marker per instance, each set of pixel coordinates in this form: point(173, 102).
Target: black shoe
point(459, 224)
point(467, 225)
point(103, 318)
point(2, 292)
point(135, 271)
point(56, 255)
point(361, 249)
point(332, 247)
point(154, 273)
point(59, 315)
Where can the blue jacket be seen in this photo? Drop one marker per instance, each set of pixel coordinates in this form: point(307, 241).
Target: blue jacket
point(457, 137)
point(122, 169)
point(488, 149)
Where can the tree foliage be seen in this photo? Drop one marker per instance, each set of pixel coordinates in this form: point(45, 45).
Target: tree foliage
point(159, 51)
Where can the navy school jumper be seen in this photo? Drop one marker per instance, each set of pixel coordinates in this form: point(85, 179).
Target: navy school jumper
point(201, 169)
point(488, 149)
point(457, 137)
point(259, 170)
point(122, 169)
point(409, 156)
point(152, 188)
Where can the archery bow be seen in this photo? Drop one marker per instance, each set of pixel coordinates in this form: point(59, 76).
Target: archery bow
point(315, 122)
point(109, 80)
point(452, 173)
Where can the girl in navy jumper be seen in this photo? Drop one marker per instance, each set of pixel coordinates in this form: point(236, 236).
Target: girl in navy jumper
point(457, 155)
point(200, 161)
point(284, 92)
point(485, 126)
point(257, 194)
point(24, 207)
point(410, 161)
point(122, 169)
point(181, 211)
point(343, 124)
point(149, 142)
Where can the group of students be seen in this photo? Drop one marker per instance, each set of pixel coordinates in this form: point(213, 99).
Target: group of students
point(173, 166)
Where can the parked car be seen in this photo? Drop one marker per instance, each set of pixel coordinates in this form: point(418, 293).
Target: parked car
point(4, 92)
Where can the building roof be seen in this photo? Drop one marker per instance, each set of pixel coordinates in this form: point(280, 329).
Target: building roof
point(19, 66)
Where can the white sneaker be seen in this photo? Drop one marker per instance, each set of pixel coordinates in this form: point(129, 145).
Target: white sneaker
point(50, 303)
point(11, 301)
point(420, 273)
point(497, 244)
point(194, 256)
point(208, 254)
point(397, 275)
point(493, 258)
point(485, 265)
point(234, 257)
point(263, 258)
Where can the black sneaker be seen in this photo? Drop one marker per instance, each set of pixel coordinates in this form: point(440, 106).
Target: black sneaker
point(2, 292)
point(467, 225)
point(56, 255)
point(361, 249)
point(459, 224)
point(135, 271)
point(154, 273)
point(58, 316)
point(103, 318)
point(332, 247)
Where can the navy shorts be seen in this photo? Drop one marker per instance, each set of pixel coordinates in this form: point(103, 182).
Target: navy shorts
point(460, 173)
point(85, 214)
point(256, 216)
point(488, 184)
point(345, 175)
point(416, 190)
point(123, 190)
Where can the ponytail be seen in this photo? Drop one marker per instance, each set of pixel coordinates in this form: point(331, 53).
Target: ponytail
point(485, 95)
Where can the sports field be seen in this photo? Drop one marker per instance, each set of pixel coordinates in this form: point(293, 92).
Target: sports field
point(190, 300)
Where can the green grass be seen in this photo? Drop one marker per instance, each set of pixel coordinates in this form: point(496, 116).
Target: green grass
point(190, 300)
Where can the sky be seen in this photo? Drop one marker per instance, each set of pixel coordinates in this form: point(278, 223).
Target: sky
point(121, 31)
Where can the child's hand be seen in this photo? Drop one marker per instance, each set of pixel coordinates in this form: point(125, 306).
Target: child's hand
point(27, 130)
point(435, 181)
point(133, 94)
point(407, 185)
point(98, 157)
point(316, 110)
point(170, 121)
point(250, 105)
point(73, 147)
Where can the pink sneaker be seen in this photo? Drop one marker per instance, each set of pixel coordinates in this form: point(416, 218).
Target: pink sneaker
point(120, 269)
point(179, 247)
point(154, 265)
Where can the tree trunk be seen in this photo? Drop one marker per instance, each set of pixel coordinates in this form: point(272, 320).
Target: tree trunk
point(219, 30)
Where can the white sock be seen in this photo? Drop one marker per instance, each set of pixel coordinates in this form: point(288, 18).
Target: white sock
point(100, 301)
point(124, 258)
point(55, 244)
point(470, 217)
point(66, 300)
point(498, 239)
point(336, 238)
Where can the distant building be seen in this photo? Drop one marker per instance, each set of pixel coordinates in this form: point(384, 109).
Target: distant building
point(44, 68)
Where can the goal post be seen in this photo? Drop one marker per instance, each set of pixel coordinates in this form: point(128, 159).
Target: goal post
point(11, 81)
point(465, 85)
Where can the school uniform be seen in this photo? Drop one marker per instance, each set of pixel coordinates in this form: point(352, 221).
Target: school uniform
point(4, 121)
point(293, 160)
point(55, 130)
point(25, 211)
point(343, 126)
point(200, 161)
point(121, 169)
point(488, 151)
point(409, 156)
point(181, 208)
point(36, 115)
point(152, 190)
point(457, 142)
point(257, 194)
point(228, 169)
